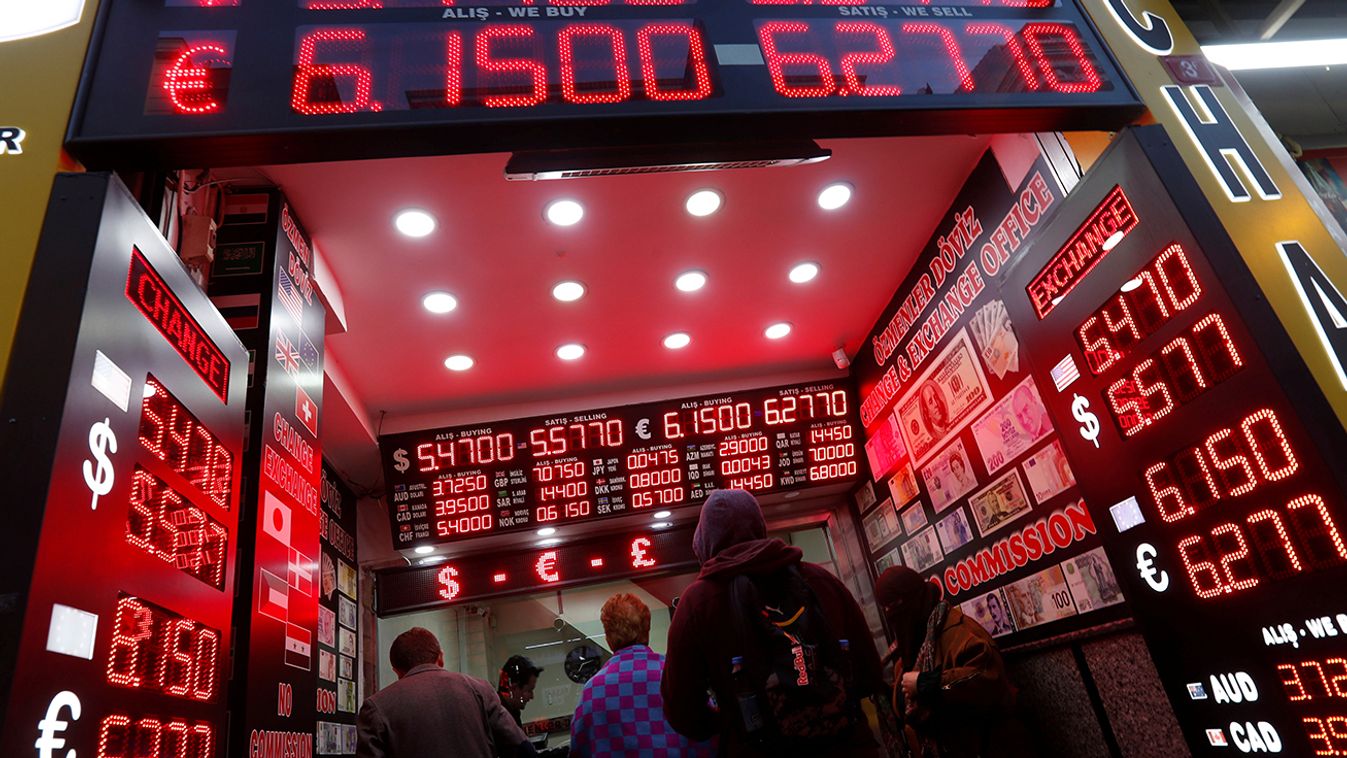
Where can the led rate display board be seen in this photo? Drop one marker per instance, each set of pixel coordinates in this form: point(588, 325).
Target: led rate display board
point(462, 579)
point(251, 80)
point(124, 441)
point(1203, 449)
point(451, 484)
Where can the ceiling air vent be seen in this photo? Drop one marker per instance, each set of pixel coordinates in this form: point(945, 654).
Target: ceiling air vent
point(663, 159)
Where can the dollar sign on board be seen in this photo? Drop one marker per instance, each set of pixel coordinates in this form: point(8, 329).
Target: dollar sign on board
point(99, 477)
point(1080, 408)
point(400, 461)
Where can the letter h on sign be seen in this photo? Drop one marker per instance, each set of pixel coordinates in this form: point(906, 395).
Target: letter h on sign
point(1222, 146)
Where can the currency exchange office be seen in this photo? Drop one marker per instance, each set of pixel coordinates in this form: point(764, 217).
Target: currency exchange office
point(374, 314)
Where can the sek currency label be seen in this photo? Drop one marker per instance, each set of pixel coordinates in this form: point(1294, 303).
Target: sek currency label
point(1089, 423)
point(952, 390)
point(99, 476)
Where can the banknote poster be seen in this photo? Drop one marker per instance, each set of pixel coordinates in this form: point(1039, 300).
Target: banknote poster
point(922, 551)
point(1012, 426)
point(865, 496)
point(327, 627)
point(881, 526)
point(952, 390)
point(327, 665)
point(913, 518)
point(948, 476)
point(992, 612)
point(954, 531)
point(1048, 472)
point(892, 558)
point(999, 503)
point(1040, 598)
point(885, 449)
point(903, 485)
point(1092, 582)
point(995, 337)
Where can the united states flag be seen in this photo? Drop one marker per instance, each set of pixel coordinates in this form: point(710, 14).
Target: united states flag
point(288, 294)
point(1065, 372)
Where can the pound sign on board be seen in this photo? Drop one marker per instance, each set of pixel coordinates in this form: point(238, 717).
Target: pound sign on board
point(1080, 408)
point(638, 557)
point(99, 477)
point(400, 461)
point(52, 725)
point(1158, 580)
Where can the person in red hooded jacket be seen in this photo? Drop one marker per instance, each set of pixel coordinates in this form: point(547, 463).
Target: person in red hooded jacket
point(730, 541)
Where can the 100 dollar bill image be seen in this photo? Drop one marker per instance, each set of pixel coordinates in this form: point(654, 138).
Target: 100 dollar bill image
point(950, 391)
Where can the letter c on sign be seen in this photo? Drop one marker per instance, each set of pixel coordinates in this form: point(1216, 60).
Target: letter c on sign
point(1154, 34)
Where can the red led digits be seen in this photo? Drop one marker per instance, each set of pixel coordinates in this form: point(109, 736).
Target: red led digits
point(164, 524)
point(1165, 287)
point(1321, 680)
point(608, 39)
point(747, 462)
point(685, 37)
point(524, 77)
point(465, 451)
point(654, 478)
point(1328, 735)
point(951, 47)
point(726, 417)
point(1076, 75)
point(1012, 45)
point(877, 43)
point(188, 80)
point(790, 84)
point(316, 88)
point(121, 737)
point(559, 439)
point(153, 649)
point(562, 491)
point(462, 504)
point(173, 435)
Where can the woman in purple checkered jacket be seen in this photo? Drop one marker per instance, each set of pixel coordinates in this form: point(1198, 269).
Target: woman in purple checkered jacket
point(621, 712)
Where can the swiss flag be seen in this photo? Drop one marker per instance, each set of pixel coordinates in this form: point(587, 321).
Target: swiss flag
point(306, 411)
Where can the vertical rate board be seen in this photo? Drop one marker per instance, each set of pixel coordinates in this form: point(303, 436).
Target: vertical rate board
point(1203, 449)
point(972, 487)
point(123, 451)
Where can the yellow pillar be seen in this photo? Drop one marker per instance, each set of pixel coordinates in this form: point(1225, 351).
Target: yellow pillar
point(1266, 205)
point(42, 46)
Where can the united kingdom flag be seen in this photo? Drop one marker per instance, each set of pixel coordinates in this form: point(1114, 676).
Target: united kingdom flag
point(286, 354)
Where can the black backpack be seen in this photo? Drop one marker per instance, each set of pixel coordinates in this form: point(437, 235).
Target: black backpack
point(793, 664)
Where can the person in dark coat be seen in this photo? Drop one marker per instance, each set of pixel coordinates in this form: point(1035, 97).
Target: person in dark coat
point(950, 684)
point(432, 713)
point(731, 540)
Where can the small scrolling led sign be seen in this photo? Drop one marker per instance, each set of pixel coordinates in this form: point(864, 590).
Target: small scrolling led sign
point(492, 70)
point(152, 296)
point(1221, 501)
point(475, 577)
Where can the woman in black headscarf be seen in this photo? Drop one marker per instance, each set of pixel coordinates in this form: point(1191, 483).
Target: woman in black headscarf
point(950, 684)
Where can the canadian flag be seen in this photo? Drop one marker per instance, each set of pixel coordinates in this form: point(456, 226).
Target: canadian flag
point(306, 411)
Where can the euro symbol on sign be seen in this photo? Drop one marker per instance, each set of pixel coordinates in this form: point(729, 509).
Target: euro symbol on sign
point(400, 460)
point(1158, 580)
point(99, 477)
point(643, 428)
point(52, 725)
point(1080, 408)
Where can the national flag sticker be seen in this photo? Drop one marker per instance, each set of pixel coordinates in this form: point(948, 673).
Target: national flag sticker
point(1065, 372)
point(1196, 691)
point(306, 410)
point(1217, 738)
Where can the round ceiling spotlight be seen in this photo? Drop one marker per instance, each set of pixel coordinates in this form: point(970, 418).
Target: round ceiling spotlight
point(549, 542)
point(439, 302)
point(704, 202)
point(834, 196)
point(565, 212)
point(568, 292)
point(662, 524)
point(663, 514)
point(425, 550)
point(690, 281)
point(571, 351)
point(677, 341)
point(804, 272)
point(777, 331)
point(547, 531)
point(414, 223)
point(458, 362)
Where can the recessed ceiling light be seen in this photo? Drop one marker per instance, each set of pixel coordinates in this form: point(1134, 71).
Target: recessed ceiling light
point(662, 524)
point(834, 196)
point(677, 340)
point(663, 514)
point(568, 292)
point(804, 272)
point(549, 542)
point(414, 223)
point(704, 202)
point(1131, 284)
point(570, 351)
point(690, 281)
point(458, 362)
point(547, 531)
point(1113, 240)
point(565, 212)
point(425, 550)
point(439, 302)
point(432, 559)
point(777, 331)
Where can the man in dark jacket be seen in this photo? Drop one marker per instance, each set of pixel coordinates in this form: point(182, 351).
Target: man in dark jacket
point(731, 541)
point(432, 713)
